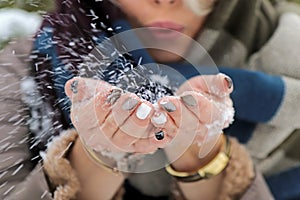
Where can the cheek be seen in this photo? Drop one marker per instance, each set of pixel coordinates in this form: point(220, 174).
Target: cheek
point(195, 25)
point(132, 9)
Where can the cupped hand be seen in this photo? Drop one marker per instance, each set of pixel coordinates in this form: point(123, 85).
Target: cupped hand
point(108, 118)
point(198, 114)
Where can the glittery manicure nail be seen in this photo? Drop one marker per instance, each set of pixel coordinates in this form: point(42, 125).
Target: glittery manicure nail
point(143, 111)
point(74, 86)
point(168, 106)
point(159, 118)
point(160, 135)
point(189, 100)
point(114, 96)
point(129, 104)
point(229, 82)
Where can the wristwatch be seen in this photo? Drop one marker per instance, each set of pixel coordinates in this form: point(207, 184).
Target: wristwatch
point(214, 167)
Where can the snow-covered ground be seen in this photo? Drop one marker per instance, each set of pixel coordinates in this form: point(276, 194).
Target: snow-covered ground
point(17, 22)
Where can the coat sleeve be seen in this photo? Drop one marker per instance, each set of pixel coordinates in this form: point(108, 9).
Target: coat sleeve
point(269, 89)
point(280, 56)
point(257, 190)
point(19, 179)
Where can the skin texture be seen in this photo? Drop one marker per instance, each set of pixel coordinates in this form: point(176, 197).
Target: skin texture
point(163, 11)
point(90, 125)
point(106, 121)
point(103, 125)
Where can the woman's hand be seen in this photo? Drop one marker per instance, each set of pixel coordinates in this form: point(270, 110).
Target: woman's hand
point(198, 114)
point(107, 118)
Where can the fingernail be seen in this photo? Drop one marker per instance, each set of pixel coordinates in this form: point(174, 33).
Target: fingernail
point(189, 100)
point(168, 106)
point(74, 86)
point(159, 118)
point(143, 111)
point(129, 104)
point(114, 96)
point(160, 135)
point(229, 82)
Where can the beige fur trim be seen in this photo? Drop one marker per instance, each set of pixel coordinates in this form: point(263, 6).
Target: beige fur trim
point(238, 174)
point(58, 168)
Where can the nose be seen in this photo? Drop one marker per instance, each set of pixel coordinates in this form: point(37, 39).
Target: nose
point(165, 1)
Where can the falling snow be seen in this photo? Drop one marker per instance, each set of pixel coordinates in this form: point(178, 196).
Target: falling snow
point(104, 62)
point(114, 67)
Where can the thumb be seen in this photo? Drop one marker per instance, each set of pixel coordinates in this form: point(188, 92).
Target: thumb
point(80, 89)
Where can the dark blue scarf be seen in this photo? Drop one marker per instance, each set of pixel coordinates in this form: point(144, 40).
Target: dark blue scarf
point(251, 89)
point(249, 97)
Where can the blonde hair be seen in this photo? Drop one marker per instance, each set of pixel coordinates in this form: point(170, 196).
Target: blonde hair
point(200, 7)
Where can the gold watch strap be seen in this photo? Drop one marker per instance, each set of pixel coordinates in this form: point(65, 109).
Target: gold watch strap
point(214, 167)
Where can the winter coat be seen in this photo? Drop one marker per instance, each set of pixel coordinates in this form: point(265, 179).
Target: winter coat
point(253, 52)
point(231, 45)
point(20, 177)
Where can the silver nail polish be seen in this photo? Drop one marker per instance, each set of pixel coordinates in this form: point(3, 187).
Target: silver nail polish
point(130, 104)
point(74, 86)
point(114, 96)
point(159, 118)
point(168, 106)
point(143, 111)
point(189, 100)
point(229, 82)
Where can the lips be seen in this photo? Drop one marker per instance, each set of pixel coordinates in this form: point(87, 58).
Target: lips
point(167, 25)
point(165, 30)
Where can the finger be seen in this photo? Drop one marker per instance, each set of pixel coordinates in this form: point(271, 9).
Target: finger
point(129, 115)
point(179, 118)
point(212, 112)
point(103, 103)
point(217, 85)
point(125, 107)
point(92, 113)
point(172, 106)
point(123, 141)
point(162, 120)
point(202, 107)
point(145, 145)
point(97, 141)
point(215, 116)
point(159, 118)
point(161, 138)
point(80, 89)
point(112, 123)
point(127, 143)
point(138, 124)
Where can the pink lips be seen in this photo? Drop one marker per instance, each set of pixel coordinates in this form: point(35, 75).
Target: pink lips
point(165, 30)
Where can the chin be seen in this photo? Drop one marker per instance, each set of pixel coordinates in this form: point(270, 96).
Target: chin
point(161, 56)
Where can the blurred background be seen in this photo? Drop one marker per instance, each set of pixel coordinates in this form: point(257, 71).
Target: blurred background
point(22, 17)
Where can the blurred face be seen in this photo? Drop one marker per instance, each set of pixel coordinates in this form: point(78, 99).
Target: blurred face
point(155, 15)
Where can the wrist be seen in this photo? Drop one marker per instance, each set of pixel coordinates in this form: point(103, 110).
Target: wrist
point(86, 166)
point(190, 161)
point(91, 175)
point(212, 167)
point(105, 163)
